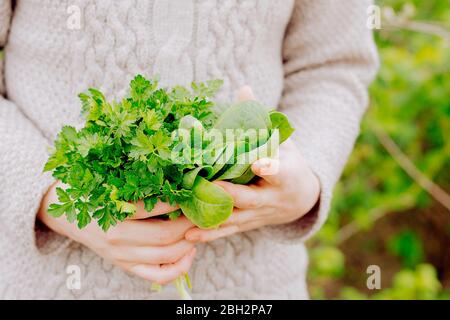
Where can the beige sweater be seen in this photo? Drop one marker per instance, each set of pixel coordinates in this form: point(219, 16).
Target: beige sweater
point(311, 58)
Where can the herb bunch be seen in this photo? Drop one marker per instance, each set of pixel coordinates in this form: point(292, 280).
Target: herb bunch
point(122, 154)
point(160, 144)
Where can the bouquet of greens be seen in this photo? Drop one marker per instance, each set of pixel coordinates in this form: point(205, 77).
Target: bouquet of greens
point(160, 144)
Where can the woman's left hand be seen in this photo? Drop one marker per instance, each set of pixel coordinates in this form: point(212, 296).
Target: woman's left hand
point(287, 190)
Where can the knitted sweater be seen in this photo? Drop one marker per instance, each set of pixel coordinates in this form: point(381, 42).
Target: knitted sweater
point(313, 59)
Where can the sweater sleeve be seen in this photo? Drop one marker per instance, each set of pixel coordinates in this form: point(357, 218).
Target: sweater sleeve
point(23, 152)
point(329, 60)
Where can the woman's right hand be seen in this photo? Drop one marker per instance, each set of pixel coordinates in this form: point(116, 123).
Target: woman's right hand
point(153, 249)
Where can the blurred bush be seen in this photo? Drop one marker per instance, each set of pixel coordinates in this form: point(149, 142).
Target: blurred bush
point(387, 209)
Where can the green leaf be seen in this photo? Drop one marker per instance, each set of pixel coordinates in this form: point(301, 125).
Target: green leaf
point(126, 207)
point(151, 120)
point(245, 178)
point(64, 144)
point(105, 218)
point(142, 145)
point(58, 158)
point(280, 122)
point(92, 104)
point(83, 216)
point(68, 134)
point(244, 116)
point(141, 88)
point(149, 203)
point(207, 89)
point(122, 121)
point(88, 142)
point(57, 210)
point(209, 206)
point(190, 177)
point(227, 158)
point(245, 160)
point(62, 195)
point(175, 214)
point(160, 141)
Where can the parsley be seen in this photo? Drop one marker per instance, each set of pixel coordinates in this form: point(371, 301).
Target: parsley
point(121, 155)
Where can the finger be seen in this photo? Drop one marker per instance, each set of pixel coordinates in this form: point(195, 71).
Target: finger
point(240, 217)
point(165, 273)
point(246, 197)
point(152, 232)
point(268, 169)
point(245, 93)
point(202, 235)
point(153, 255)
point(159, 209)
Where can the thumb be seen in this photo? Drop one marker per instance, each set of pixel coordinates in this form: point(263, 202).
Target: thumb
point(268, 169)
point(245, 93)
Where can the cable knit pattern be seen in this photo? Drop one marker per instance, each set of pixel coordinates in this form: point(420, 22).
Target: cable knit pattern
point(313, 59)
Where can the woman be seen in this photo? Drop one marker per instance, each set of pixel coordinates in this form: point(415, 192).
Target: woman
point(312, 59)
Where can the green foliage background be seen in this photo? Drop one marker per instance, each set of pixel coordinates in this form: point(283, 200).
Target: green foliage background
point(380, 214)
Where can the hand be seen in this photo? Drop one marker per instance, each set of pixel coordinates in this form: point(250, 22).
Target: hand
point(153, 249)
point(287, 190)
